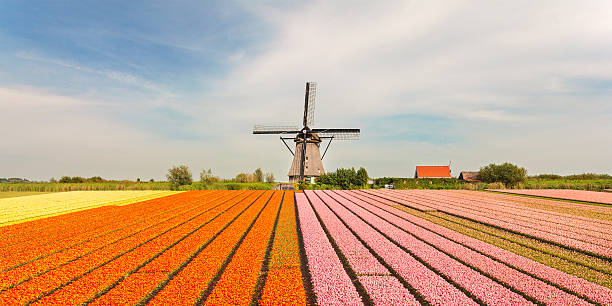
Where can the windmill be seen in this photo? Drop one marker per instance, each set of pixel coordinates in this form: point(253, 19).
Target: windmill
point(307, 160)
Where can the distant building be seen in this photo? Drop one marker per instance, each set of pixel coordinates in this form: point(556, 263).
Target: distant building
point(469, 176)
point(432, 172)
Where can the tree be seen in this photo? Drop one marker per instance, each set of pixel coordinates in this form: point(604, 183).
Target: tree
point(362, 175)
point(506, 173)
point(206, 176)
point(269, 177)
point(179, 175)
point(245, 178)
point(259, 176)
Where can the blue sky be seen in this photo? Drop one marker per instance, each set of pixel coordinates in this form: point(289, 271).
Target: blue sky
point(126, 89)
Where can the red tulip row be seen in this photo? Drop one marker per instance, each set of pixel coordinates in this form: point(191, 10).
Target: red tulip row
point(572, 240)
point(56, 280)
point(567, 194)
point(415, 224)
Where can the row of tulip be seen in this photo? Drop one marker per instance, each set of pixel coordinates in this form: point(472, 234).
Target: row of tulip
point(28, 232)
point(471, 281)
point(64, 275)
point(331, 284)
point(35, 268)
point(196, 276)
point(564, 209)
point(156, 261)
point(429, 285)
point(557, 225)
point(73, 235)
point(283, 284)
point(587, 226)
point(567, 194)
point(371, 274)
point(483, 255)
point(19, 209)
point(598, 212)
point(563, 238)
point(238, 283)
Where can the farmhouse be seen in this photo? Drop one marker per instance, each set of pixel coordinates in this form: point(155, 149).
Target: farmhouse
point(432, 172)
point(469, 176)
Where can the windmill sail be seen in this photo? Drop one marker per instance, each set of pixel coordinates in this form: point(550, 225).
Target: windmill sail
point(309, 104)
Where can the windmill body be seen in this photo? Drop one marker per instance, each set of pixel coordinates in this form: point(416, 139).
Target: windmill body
point(307, 159)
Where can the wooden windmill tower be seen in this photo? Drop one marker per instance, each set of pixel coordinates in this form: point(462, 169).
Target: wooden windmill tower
point(307, 160)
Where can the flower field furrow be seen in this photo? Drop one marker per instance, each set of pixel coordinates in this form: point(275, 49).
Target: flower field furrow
point(513, 204)
point(426, 282)
point(185, 284)
point(359, 257)
point(31, 207)
point(575, 284)
point(598, 213)
point(39, 267)
point(238, 281)
point(568, 227)
point(74, 235)
point(51, 280)
point(480, 286)
point(332, 286)
point(109, 274)
point(511, 277)
point(381, 247)
point(283, 283)
point(558, 237)
point(564, 222)
point(38, 230)
point(566, 194)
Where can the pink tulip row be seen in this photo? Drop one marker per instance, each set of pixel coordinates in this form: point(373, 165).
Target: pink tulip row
point(437, 251)
point(374, 277)
point(560, 237)
point(567, 194)
point(588, 226)
point(472, 281)
point(547, 202)
point(430, 231)
point(431, 286)
point(566, 225)
point(331, 284)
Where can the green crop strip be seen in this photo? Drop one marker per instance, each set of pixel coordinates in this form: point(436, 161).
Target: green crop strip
point(578, 264)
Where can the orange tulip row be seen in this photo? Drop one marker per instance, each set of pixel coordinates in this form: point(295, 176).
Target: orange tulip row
point(107, 275)
point(237, 284)
point(284, 279)
point(67, 270)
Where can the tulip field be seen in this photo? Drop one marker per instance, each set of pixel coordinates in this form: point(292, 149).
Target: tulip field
point(332, 247)
point(566, 194)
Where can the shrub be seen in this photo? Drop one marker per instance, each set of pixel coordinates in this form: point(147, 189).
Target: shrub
point(506, 173)
point(270, 177)
point(179, 175)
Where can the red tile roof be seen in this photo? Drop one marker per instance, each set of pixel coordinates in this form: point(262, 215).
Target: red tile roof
point(432, 171)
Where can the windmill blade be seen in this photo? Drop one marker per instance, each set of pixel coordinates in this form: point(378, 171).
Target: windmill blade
point(309, 104)
point(275, 129)
point(339, 134)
